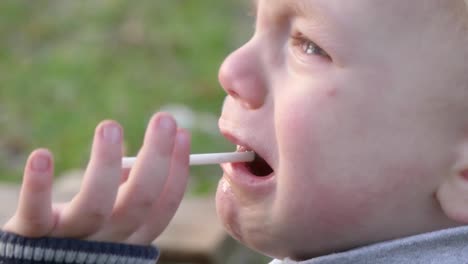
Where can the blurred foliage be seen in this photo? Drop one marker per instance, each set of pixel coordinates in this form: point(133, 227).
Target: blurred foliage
point(66, 65)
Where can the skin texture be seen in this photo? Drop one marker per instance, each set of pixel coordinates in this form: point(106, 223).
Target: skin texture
point(361, 135)
point(358, 106)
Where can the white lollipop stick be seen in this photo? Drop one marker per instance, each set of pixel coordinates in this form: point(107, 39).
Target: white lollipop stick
point(202, 159)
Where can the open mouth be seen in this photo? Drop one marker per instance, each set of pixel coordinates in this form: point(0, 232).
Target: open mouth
point(258, 167)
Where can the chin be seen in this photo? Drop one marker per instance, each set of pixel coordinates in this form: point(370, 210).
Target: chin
point(252, 230)
point(227, 209)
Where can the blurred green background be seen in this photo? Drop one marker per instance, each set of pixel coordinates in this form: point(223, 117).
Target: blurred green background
point(66, 65)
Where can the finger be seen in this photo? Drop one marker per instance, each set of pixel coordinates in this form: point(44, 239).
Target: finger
point(125, 175)
point(92, 206)
point(125, 171)
point(34, 217)
point(146, 180)
point(172, 195)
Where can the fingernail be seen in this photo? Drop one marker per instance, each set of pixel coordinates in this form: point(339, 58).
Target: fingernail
point(165, 122)
point(111, 133)
point(40, 163)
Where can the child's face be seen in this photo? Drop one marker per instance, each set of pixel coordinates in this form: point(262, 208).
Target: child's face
point(356, 107)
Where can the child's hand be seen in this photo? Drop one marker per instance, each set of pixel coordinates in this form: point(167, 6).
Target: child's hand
point(134, 210)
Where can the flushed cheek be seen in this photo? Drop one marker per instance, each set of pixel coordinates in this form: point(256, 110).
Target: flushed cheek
point(315, 180)
point(304, 119)
point(307, 188)
point(323, 208)
point(316, 215)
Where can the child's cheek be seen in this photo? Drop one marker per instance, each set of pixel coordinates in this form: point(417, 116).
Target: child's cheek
point(307, 146)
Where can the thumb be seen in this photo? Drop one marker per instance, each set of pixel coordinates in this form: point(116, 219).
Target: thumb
point(33, 216)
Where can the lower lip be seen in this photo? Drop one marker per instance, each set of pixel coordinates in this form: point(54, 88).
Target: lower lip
point(239, 175)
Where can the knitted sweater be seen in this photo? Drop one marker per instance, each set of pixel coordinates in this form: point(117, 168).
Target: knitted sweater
point(18, 249)
point(448, 246)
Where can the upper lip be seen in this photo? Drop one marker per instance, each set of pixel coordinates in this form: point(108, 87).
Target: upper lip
point(235, 140)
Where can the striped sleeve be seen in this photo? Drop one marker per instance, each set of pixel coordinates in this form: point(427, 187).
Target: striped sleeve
point(18, 249)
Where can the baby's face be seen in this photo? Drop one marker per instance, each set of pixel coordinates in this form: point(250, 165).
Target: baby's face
point(356, 107)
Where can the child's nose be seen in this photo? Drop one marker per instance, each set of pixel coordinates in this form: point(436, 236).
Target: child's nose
point(242, 77)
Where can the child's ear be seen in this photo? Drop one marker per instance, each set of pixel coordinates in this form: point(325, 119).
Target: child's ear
point(453, 190)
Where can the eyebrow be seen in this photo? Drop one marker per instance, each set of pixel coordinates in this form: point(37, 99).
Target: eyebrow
point(297, 7)
point(303, 8)
point(316, 12)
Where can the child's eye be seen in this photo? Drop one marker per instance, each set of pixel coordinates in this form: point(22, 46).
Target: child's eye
point(308, 47)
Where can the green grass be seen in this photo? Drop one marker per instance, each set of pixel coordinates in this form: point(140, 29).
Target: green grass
point(66, 65)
